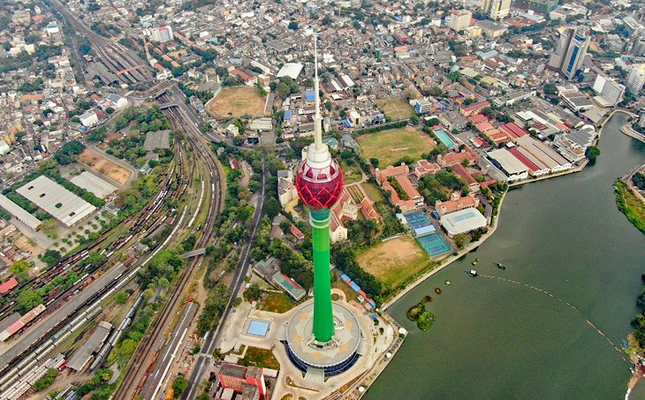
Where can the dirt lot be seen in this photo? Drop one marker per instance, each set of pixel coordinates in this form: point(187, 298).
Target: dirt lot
point(104, 166)
point(237, 101)
point(394, 261)
point(25, 244)
point(395, 107)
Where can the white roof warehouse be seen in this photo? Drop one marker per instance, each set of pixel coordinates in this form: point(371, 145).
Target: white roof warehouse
point(57, 201)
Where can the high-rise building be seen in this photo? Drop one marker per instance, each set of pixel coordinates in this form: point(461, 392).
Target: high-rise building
point(609, 92)
point(324, 338)
point(496, 9)
point(570, 53)
point(636, 78)
point(538, 6)
point(162, 34)
point(639, 47)
point(459, 20)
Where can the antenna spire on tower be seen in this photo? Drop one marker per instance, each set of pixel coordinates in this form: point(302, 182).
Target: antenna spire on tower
point(317, 118)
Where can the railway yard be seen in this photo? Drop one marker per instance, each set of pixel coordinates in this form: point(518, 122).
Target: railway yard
point(190, 195)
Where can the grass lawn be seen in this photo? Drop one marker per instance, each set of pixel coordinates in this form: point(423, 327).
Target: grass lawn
point(256, 357)
point(394, 261)
point(276, 302)
point(630, 205)
point(396, 107)
point(237, 101)
point(390, 146)
point(351, 174)
point(349, 293)
point(373, 192)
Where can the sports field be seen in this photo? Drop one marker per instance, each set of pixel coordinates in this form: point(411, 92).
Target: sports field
point(396, 107)
point(237, 101)
point(390, 146)
point(394, 261)
point(434, 244)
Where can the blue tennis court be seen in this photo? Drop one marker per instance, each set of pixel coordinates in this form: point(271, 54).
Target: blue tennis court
point(444, 138)
point(434, 244)
point(258, 328)
point(417, 219)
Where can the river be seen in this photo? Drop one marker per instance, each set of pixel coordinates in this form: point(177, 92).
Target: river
point(494, 339)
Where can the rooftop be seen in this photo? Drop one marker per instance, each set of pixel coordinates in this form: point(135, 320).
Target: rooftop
point(59, 202)
point(463, 221)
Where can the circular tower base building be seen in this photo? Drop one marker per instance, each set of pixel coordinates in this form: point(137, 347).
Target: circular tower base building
point(326, 359)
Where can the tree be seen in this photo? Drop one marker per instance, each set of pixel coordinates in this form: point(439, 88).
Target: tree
point(179, 386)
point(272, 207)
point(433, 122)
point(46, 380)
point(551, 89)
point(253, 293)
point(374, 162)
point(21, 270)
point(28, 299)
point(245, 213)
point(592, 153)
point(639, 180)
point(121, 297)
point(460, 240)
point(414, 120)
point(51, 257)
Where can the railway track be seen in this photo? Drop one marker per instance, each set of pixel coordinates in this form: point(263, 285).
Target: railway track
point(143, 361)
point(145, 222)
point(127, 67)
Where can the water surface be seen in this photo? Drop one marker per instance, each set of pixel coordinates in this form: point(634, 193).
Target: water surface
point(498, 340)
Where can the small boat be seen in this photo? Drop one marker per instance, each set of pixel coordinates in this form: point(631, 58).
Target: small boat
point(473, 273)
point(500, 265)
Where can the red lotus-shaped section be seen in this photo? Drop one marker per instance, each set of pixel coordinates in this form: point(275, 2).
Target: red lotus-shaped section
point(319, 188)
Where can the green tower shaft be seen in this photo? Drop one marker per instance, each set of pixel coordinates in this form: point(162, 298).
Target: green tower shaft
point(323, 317)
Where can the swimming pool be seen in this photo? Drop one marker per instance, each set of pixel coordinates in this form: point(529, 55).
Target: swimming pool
point(444, 138)
point(258, 328)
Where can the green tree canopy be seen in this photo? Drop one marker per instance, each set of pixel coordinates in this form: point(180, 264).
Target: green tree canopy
point(21, 270)
point(28, 299)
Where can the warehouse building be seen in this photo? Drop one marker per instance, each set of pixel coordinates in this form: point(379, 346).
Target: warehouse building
point(57, 201)
point(83, 355)
point(17, 212)
point(94, 184)
point(513, 168)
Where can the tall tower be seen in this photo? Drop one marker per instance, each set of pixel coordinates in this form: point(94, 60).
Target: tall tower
point(570, 53)
point(319, 181)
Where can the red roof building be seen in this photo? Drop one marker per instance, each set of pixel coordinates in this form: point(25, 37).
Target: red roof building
point(424, 167)
point(474, 108)
point(383, 174)
point(296, 232)
point(237, 377)
point(513, 131)
point(8, 285)
point(447, 207)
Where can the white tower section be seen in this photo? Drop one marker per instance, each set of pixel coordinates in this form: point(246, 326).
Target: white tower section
point(318, 155)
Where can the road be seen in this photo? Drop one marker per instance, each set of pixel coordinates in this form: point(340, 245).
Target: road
point(157, 378)
point(204, 360)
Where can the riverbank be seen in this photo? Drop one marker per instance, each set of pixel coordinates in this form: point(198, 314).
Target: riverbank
point(472, 246)
point(629, 131)
point(630, 204)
